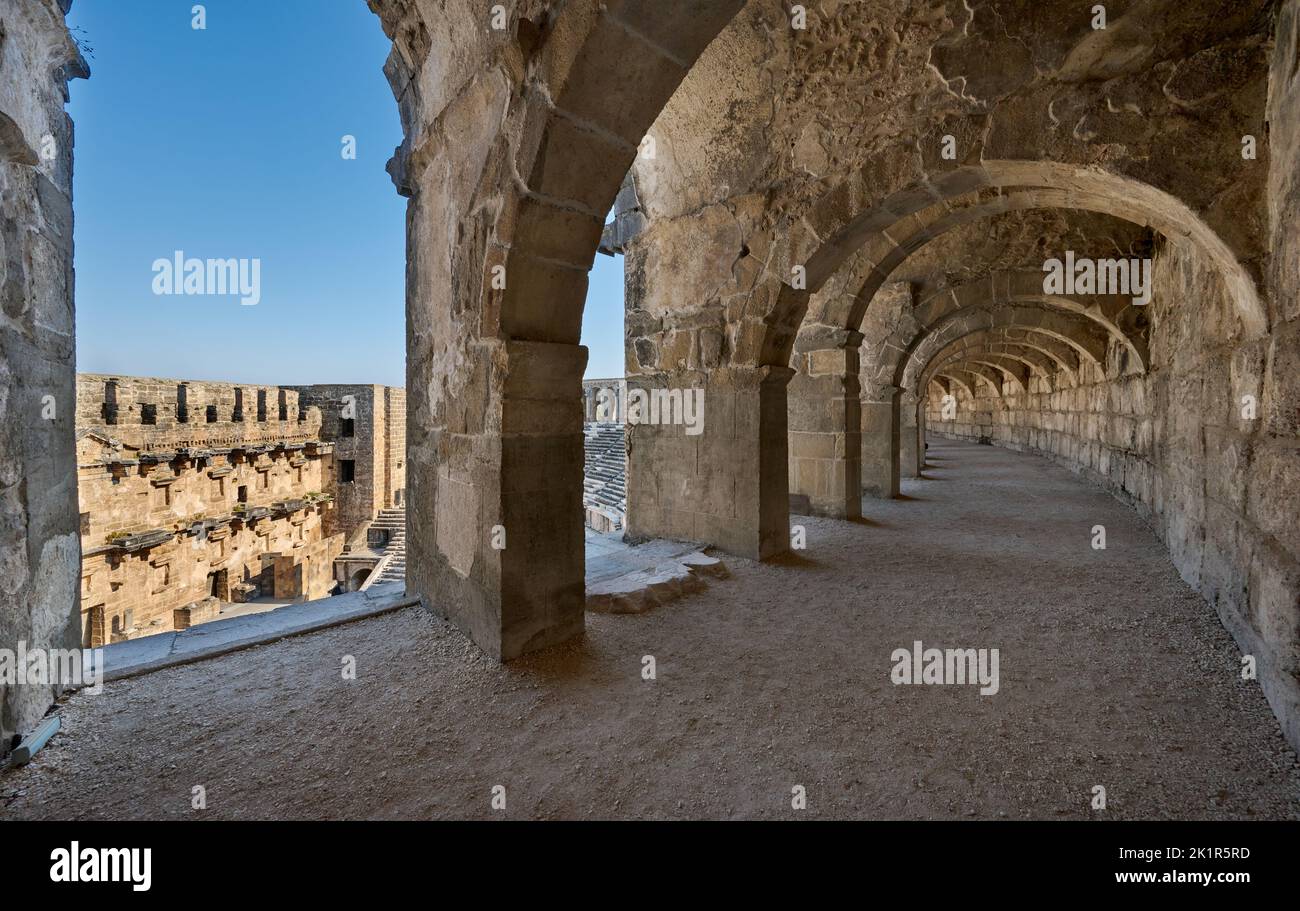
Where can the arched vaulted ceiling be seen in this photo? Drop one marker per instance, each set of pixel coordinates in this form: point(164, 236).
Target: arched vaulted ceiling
point(1071, 120)
point(1085, 338)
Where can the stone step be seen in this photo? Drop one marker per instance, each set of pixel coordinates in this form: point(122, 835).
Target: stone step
point(641, 590)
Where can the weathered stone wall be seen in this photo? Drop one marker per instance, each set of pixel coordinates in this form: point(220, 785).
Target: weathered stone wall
point(394, 493)
point(825, 430)
point(717, 485)
point(374, 442)
point(1273, 495)
point(152, 413)
point(304, 570)
point(223, 494)
point(1092, 428)
point(38, 492)
point(127, 593)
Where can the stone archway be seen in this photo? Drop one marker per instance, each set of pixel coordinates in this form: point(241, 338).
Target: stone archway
point(517, 139)
point(516, 144)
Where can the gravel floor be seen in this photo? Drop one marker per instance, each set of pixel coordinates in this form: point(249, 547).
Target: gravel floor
point(1112, 672)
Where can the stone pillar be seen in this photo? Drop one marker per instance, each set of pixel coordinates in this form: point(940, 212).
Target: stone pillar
point(40, 547)
point(725, 486)
point(495, 508)
point(920, 437)
point(826, 429)
point(910, 451)
point(881, 436)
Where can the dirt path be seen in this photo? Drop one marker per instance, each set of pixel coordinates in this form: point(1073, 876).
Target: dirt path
point(1112, 672)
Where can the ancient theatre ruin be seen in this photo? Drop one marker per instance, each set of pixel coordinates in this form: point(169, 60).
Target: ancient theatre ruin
point(843, 226)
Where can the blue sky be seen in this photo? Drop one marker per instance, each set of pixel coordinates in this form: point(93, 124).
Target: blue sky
point(226, 142)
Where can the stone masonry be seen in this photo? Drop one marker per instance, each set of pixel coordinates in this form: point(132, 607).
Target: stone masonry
point(194, 495)
point(835, 226)
point(39, 559)
point(367, 425)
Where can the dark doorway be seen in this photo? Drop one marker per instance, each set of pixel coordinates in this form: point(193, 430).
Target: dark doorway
point(218, 587)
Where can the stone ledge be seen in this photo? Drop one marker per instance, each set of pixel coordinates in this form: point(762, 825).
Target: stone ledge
point(668, 572)
point(220, 637)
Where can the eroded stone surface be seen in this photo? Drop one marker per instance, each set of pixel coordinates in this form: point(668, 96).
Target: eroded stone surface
point(38, 489)
point(632, 580)
point(839, 226)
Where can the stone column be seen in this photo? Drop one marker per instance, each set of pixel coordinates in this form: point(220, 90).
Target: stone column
point(40, 547)
point(881, 436)
point(920, 437)
point(825, 428)
point(495, 507)
point(909, 453)
point(727, 485)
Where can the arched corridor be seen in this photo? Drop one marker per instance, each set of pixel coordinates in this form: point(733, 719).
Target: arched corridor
point(850, 230)
point(779, 676)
